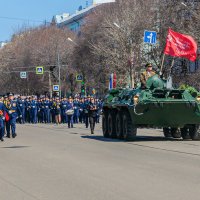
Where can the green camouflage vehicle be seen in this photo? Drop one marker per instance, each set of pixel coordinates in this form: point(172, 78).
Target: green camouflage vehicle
point(176, 111)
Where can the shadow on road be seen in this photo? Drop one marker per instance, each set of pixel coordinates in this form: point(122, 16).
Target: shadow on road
point(15, 147)
point(100, 138)
point(138, 139)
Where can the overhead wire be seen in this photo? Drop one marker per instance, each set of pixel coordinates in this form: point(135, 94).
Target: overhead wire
point(23, 19)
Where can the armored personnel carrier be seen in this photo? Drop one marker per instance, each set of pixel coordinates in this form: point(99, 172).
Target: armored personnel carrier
point(176, 111)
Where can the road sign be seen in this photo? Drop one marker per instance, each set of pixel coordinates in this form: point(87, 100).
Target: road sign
point(79, 77)
point(150, 37)
point(55, 88)
point(23, 75)
point(40, 70)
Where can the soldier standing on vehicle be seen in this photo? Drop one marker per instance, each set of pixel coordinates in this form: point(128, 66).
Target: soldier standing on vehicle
point(146, 75)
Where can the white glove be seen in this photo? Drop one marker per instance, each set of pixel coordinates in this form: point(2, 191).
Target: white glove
point(10, 112)
point(20, 116)
point(3, 118)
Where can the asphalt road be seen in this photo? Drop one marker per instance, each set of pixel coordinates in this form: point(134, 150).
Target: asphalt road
point(47, 162)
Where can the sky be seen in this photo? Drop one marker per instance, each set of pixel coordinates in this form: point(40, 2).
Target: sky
point(33, 13)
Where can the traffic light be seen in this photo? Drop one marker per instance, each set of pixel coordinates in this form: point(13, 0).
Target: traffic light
point(82, 89)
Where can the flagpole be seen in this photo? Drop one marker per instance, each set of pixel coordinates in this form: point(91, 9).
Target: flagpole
point(172, 65)
point(163, 59)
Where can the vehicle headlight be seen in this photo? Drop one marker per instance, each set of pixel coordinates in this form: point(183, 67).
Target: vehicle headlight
point(198, 98)
point(136, 99)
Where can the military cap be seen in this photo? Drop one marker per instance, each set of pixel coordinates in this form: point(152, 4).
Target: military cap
point(148, 65)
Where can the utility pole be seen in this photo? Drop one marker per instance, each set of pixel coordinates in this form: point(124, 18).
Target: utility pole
point(50, 87)
point(131, 65)
point(59, 78)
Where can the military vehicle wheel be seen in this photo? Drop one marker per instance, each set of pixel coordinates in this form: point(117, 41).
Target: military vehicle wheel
point(105, 126)
point(175, 133)
point(111, 126)
point(167, 132)
point(185, 133)
point(129, 131)
point(119, 124)
point(194, 132)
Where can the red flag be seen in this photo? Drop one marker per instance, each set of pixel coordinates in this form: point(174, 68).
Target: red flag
point(180, 45)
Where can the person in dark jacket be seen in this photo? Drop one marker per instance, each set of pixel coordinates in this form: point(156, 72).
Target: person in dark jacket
point(57, 110)
point(92, 113)
point(13, 110)
point(70, 112)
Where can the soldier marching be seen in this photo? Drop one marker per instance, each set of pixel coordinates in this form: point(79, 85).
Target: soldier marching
point(30, 109)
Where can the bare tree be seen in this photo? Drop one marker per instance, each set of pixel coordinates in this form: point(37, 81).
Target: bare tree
point(40, 46)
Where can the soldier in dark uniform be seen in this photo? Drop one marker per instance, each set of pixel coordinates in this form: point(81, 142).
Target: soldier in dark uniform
point(42, 108)
point(86, 102)
point(92, 112)
point(146, 74)
point(70, 107)
point(47, 110)
point(34, 109)
point(52, 110)
point(99, 107)
point(81, 111)
point(39, 116)
point(12, 110)
point(21, 106)
point(64, 104)
point(76, 110)
point(28, 110)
